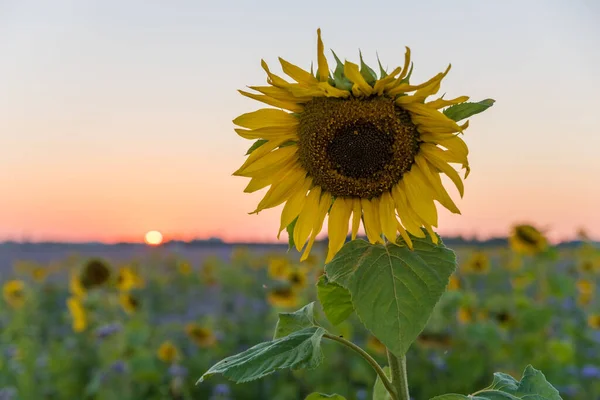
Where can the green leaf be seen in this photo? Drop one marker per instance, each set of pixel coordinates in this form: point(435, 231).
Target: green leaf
point(301, 349)
point(382, 72)
point(335, 299)
point(461, 111)
point(379, 390)
point(290, 231)
point(256, 145)
point(339, 79)
point(367, 72)
point(317, 396)
point(394, 289)
point(290, 322)
point(533, 386)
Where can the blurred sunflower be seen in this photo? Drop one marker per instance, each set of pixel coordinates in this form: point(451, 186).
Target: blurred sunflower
point(75, 286)
point(128, 279)
point(504, 318)
point(279, 267)
point(78, 314)
point(594, 321)
point(465, 314)
point(585, 286)
point(284, 297)
point(184, 268)
point(297, 277)
point(353, 144)
point(39, 274)
point(201, 336)
point(167, 352)
point(128, 302)
point(589, 265)
point(453, 283)
point(95, 273)
point(478, 263)
point(14, 293)
point(526, 239)
point(585, 299)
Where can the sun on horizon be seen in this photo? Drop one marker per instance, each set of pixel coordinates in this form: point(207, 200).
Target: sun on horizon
point(153, 238)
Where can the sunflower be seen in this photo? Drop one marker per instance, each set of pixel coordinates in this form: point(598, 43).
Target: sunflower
point(129, 303)
point(594, 321)
point(298, 277)
point(201, 336)
point(39, 274)
point(585, 286)
point(184, 268)
point(75, 286)
point(478, 263)
point(526, 239)
point(167, 352)
point(453, 283)
point(352, 146)
point(284, 297)
point(78, 314)
point(95, 273)
point(14, 293)
point(128, 279)
point(279, 267)
point(465, 315)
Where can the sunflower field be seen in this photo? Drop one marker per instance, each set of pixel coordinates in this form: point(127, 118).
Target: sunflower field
point(148, 328)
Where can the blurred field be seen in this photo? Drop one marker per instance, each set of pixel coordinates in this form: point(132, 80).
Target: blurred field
point(160, 318)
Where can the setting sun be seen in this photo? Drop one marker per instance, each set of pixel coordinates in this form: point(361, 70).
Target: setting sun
point(153, 238)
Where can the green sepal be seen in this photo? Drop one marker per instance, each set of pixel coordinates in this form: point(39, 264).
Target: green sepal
point(339, 79)
point(382, 73)
point(461, 111)
point(367, 72)
point(256, 145)
point(290, 231)
point(406, 79)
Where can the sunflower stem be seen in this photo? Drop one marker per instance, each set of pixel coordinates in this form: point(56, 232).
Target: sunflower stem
point(380, 372)
point(399, 376)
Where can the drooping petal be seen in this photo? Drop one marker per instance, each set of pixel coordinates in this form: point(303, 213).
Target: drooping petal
point(360, 87)
point(306, 217)
point(440, 103)
point(281, 191)
point(356, 217)
point(435, 182)
point(324, 206)
point(269, 133)
point(261, 152)
point(420, 197)
point(298, 74)
point(270, 162)
point(266, 117)
point(339, 217)
point(387, 216)
point(294, 205)
point(381, 84)
point(436, 157)
point(371, 219)
point(406, 214)
point(274, 102)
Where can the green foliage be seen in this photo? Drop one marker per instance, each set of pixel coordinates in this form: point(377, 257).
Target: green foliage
point(394, 289)
point(461, 111)
point(367, 72)
point(533, 386)
point(290, 322)
point(300, 349)
point(290, 231)
point(335, 299)
point(379, 390)
point(317, 396)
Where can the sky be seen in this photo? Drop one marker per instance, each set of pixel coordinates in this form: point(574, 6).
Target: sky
point(115, 116)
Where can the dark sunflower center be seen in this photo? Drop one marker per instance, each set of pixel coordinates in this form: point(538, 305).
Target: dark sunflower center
point(528, 237)
point(356, 147)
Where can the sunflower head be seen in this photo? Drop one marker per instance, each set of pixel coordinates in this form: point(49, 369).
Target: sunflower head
point(39, 273)
point(78, 314)
point(95, 273)
point(526, 239)
point(585, 286)
point(203, 337)
point(354, 145)
point(167, 352)
point(594, 321)
point(75, 286)
point(14, 293)
point(279, 267)
point(504, 318)
point(478, 263)
point(465, 314)
point(454, 283)
point(128, 278)
point(129, 303)
point(184, 268)
point(297, 278)
point(584, 299)
point(283, 296)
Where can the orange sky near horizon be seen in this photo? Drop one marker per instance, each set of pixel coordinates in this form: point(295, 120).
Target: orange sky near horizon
point(117, 118)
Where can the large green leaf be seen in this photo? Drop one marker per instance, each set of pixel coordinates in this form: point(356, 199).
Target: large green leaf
point(379, 390)
point(533, 386)
point(317, 396)
point(290, 322)
point(301, 349)
point(335, 299)
point(394, 289)
point(461, 111)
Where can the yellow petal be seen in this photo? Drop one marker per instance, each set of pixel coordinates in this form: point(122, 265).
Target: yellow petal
point(282, 94)
point(339, 217)
point(409, 220)
point(324, 206)
point(306, 217)
point(404, 87)
point(440, 103)
point(356, 216)
point(371, 219)
point(274, 79)
point(405, 236)
point(294, 205)
point(434, 237)
point(266, 117)
point(360, 87)
point(387, 216)
point(322, 68)
point(435, 156)
point(275, 132)
point(406, 64)
point(420, 198)
point(274, 102)
point(261, 151)
point(331, 91)
point(380, 85)
point(270, 162)
point(435, 182)
point(298, 74)
point(282, 190)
